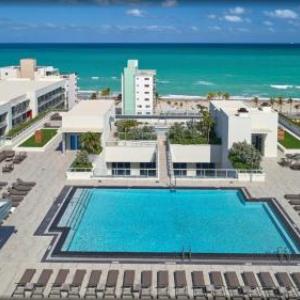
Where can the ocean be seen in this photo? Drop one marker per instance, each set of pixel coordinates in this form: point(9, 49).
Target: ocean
point(182, 69)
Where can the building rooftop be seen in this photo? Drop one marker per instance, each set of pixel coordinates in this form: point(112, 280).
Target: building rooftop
point(130, 153)
point(232, 107)
point(87, 115)
point(11, 89)
point(91, 108)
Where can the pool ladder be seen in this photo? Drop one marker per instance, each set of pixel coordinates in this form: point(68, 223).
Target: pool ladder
point(283, 254)
point(186, 254)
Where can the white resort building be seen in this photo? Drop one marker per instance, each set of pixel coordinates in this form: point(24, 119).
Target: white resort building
point(138, 90)
point(234, 122)
point(28, 90)
point(22, 100)
point(118, 157)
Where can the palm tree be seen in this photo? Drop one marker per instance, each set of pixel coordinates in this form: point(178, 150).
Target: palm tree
point(93, 96)
point(272, 101)
point(226, 96)
point(280, 102)
point(290, 102)
point(255, 100)
point(90, 142)
point(210, 96)
point(219, 94)
point(207, 124)
point(105, 92)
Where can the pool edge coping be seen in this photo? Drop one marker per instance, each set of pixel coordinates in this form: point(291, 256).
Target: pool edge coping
point(49, 227)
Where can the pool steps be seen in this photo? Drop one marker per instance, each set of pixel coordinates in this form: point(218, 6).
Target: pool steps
point(76, 209)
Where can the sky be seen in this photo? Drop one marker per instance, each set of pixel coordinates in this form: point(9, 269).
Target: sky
point(145, 21)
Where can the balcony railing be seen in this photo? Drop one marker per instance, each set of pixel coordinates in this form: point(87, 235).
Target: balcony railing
point(213, 173)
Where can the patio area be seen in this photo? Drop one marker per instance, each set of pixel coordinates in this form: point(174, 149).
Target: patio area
point(25, 250)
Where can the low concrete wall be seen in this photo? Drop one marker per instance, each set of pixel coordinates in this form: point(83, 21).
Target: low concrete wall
point(79, 175)
point(250, 177)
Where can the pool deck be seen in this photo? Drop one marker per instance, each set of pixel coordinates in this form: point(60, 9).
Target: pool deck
point(25, 250)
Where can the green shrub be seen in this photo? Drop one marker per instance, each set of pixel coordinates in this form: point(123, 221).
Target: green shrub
point(244, 156)
point(82, 162)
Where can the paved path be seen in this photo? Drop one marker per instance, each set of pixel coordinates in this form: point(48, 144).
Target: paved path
point(163, 163)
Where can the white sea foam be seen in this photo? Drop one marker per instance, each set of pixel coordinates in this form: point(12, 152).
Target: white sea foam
point(281, 86)
point(203, 82)
point(163, 81)
point(182, 97)
point(95, 77)
point(114, 78)
point(297, 86)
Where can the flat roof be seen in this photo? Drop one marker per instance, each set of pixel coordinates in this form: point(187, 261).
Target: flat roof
point(12, 89)
point(231, 107)
point(91, 108)
point(130, 153)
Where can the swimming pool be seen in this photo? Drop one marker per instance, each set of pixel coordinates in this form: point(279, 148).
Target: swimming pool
point(198, 221)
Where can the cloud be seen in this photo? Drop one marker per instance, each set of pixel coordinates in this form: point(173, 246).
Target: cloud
point(283, 14)
point(135, 12)
point(215, 28)
point(268, 23)
point(238, 10)
point(194, 28)
point(169, 3)
point(212, 16)
point(233, 18)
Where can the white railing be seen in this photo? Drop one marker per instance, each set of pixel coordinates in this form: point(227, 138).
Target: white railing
point(130, 143)
point(215, 173)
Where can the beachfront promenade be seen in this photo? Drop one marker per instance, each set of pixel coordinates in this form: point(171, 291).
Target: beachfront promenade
point(24, 250)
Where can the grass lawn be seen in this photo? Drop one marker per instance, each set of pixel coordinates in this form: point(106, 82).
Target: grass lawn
point(290, 142)
point(48, 134)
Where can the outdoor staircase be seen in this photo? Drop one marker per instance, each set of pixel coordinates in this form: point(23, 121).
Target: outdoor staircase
point(163, 161)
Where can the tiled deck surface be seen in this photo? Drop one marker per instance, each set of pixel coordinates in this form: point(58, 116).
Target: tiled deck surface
point(23, 250)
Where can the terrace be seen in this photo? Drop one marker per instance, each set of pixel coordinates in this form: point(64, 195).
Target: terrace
point(48, 167)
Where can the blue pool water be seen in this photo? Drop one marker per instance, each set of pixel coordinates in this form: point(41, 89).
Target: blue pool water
point(157, 220)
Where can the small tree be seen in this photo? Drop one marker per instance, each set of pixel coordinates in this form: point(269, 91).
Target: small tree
point(206, 124)
point(290, 102)
point(280, 102)
point(256, 100)
point(226, 96)
point(105, 92)
point(272, 101)
point(244, 156)
point(90, 142)
point(94, 96)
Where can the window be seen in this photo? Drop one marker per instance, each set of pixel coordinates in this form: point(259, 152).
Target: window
point(146, 85)
point(147, 106)
point(179, 169)
point(205, 169)
point(147, 78)
point(205, 165)
point(147, 92)
point(139, 106)
point(121, 168)
point(148, 169)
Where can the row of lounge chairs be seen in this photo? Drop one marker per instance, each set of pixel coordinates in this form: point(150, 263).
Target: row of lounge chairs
point(294, 200)
point(291, 160)
point(254, 286)
point(11, 158)
point(6, 154)
point(18, 191)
